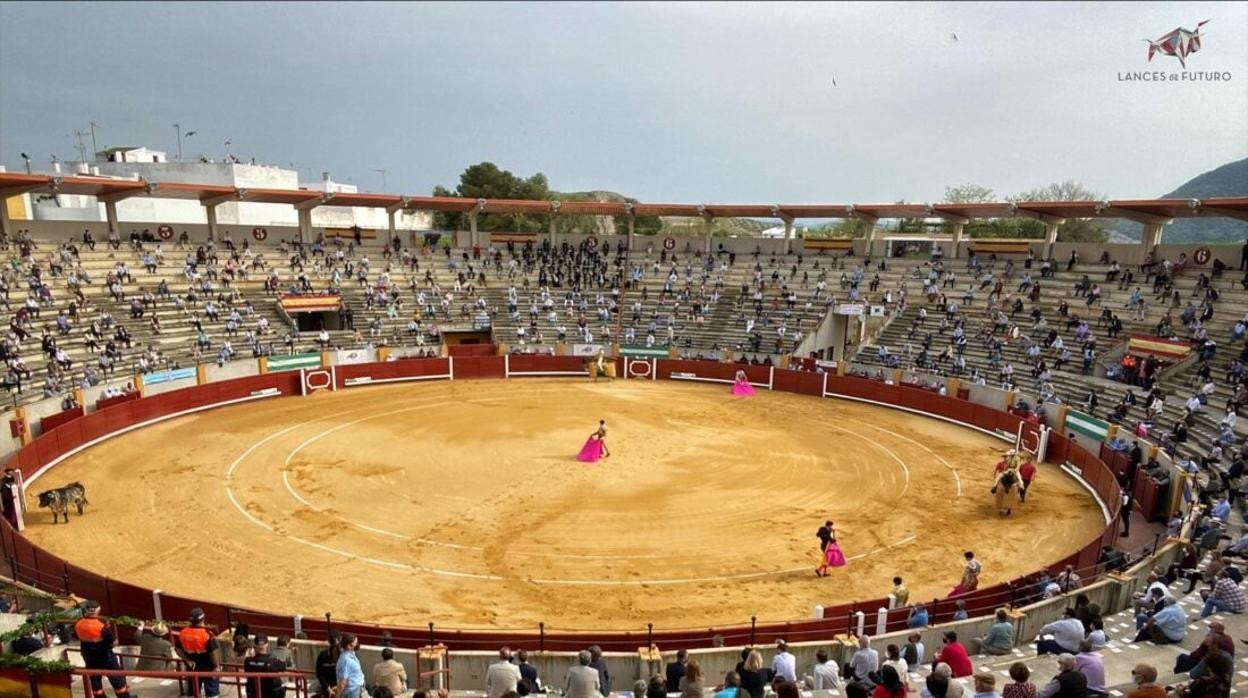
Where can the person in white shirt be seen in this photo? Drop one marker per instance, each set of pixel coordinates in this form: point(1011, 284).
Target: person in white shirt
point(865, 661)
point(827, 673)
point(501, 676)
point(1067, 633)
point(784, 664)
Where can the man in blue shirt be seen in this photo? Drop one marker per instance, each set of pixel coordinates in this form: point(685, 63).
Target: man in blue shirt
point(1167, 626)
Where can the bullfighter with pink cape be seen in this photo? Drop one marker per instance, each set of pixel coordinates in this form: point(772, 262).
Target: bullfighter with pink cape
point(595, 447)
point(741, 386)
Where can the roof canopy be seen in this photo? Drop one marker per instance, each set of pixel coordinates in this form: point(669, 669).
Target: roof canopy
point(1146, 211)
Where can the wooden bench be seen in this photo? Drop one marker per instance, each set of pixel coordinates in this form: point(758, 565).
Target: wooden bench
point(349, 234)
point(520, 238)
point(828, 244)
point(999, 247)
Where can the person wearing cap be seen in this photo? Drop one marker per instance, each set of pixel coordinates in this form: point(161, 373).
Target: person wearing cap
point(199, 648)
point(263, 662)
point(96, 642)
point(155, 650)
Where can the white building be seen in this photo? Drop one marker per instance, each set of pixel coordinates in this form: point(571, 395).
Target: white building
point(137, 163)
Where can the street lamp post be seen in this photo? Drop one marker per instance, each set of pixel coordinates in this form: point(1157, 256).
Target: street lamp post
point(178, 128)
point(383, 179)
point(94, 149)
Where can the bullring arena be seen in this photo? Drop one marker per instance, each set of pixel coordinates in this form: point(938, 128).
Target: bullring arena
point(461, 503)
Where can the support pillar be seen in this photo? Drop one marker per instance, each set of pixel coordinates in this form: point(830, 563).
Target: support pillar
point(958, 230)
point(554, 233)
point(211, 213)
point(1152, 235)
point(305, 225)
point(788, 236)
point(709, 222)
point(110, 213)
point(6, 224)
point(1050, 238)
point(472, 229)
point(390, 224)
point(632, 232)
point(870, 222)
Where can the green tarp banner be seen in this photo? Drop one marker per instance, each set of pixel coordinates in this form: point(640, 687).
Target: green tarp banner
point(1087, 425)
point(294, 361)
point(637, 350)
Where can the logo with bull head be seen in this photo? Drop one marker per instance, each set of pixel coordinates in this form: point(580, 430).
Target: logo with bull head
point(1179, 43)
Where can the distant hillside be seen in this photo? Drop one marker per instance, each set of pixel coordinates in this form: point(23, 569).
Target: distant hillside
point(1230, 179)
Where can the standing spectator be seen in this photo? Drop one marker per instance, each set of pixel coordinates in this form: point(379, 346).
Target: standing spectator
point(784, 664)
point(350, 674)
point(97, 641)
point(199, 648)
point(390, 674)
point(675, 670)
point(327, 665)
point(501, 676)
point(262, 662)
point(604, 677)
point(154, 642)
point(583, 680)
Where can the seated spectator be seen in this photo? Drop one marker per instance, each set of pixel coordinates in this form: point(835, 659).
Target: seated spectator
point(1069, 681)
point(1225, 597)
point(954, 654)
point(1166, 626)
point(1000, 637)
point(986, 686)
point(1092, 667)
point(1066, 632)
point(1021, 686)
point(156, 649)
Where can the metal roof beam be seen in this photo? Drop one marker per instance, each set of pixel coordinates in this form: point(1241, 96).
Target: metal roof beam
point(236, 195)
point(313, 203)
point(399, 205)
point(148, 189)
point(1107, 209)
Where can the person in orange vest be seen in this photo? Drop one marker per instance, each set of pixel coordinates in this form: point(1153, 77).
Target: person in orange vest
point(97, 640)
point(200, 648)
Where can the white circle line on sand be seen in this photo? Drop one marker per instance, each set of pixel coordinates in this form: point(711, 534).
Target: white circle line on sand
point(429, 541)
point(957, 480)
point(454, 573)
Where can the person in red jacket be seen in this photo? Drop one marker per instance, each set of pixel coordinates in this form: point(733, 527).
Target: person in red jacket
point(955, 655)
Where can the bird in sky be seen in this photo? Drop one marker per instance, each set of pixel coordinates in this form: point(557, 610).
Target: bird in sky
point(834, 82)
point(953, 36)
point(190, 133)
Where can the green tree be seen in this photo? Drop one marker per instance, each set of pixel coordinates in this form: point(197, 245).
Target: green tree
point(1074, 229)
point(969, 194)
point(486, 181)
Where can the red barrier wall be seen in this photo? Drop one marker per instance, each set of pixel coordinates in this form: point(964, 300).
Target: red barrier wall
point(35, 566)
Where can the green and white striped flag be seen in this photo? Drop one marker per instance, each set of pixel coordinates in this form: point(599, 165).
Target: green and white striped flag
point(1087, 425)
point(294, 361)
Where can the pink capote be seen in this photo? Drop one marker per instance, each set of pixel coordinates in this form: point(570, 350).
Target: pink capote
point(591, 452)
point(742, 388)
point(833, 556)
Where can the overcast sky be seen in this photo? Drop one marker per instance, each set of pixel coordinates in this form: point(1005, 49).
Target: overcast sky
point(663, 102)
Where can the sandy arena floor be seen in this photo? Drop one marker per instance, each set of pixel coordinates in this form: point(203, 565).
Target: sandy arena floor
point(462, 503)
